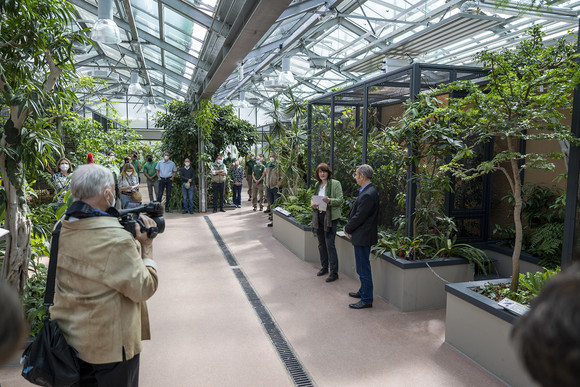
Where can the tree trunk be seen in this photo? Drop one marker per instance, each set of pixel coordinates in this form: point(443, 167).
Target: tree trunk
point(518, 225)
point(17, 257)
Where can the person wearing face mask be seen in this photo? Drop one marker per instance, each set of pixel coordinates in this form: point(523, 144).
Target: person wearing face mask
point(273, 183)
point(104, 276)
point(187, 175)
point(249, 169)
point(128, 183)
point(151, 175)
point(229, 160)
point(237, 178)
point(166, 171)
point(60, 180)
point(258, 176)
point(218, 183)
point(136, 165)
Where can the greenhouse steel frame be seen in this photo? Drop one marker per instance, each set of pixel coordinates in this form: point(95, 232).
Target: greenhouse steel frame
point(413, 78)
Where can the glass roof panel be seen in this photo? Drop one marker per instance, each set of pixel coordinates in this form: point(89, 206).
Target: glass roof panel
point(152, 53)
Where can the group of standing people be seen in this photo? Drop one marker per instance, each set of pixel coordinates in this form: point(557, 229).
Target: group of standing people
point(263, 177)
point(361, 228)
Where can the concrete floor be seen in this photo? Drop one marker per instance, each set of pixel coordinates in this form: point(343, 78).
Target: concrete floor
point(206, 333)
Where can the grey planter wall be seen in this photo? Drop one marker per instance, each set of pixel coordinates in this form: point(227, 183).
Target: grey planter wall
point(407, 285)
point(479, 328)
point(296, 237)
point(412, 285)
point(503, 260)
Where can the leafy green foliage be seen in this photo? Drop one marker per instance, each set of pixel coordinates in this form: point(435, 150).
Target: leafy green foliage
point(530, 285)
point(528, 90)
point(428, 246)
point(33, 296)
point(84, 136)
point(288, 140)
point(543, 221)
point(299, 205)
point(219, 125)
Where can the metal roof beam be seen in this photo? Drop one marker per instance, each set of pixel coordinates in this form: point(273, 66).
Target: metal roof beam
point(251, 24)
point(196, 15)
point(145, 35)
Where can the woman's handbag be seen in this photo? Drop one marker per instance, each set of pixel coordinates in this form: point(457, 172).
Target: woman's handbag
point(136, 196)
point(49, 360)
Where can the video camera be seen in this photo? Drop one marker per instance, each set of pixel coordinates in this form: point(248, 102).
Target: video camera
point(129, 218)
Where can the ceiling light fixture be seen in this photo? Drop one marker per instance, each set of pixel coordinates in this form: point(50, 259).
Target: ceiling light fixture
point(105, 29)
point(286, 78)
point(148, 108)
point(134, 87)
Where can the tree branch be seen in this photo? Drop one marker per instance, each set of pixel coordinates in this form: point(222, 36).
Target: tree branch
point(54, 73)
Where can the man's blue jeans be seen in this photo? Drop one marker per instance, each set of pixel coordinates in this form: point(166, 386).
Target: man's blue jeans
point(363, 269)
point(187, 197)
point(165, 184)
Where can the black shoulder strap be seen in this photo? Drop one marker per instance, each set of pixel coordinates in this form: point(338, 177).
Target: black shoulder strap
point(50, 279)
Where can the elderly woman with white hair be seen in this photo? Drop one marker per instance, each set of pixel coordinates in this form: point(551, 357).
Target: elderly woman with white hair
point(103, 280)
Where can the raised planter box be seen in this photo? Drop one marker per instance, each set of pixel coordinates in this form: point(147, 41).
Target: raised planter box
point(407, 285)
point(502, 257)
point(296, 237)
point(412, 285)
point(479, 328)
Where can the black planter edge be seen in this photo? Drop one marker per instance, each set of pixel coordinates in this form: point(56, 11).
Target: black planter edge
point(292, 220)
point(462, 291)
point(493, 245)
point(421, 263)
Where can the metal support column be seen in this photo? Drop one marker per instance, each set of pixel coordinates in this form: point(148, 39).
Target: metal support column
point(365, 124)
point(415, 88)
point(309, 147)
point(202, 180)
point(568, 252)
point(331, 163)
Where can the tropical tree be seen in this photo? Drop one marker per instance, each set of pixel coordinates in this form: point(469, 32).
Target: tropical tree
point(36, 63)
point(527, 92)
point(220, 128)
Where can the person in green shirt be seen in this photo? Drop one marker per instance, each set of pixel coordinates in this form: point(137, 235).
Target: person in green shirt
point(151, 175)
point(258, 176)
point(136, 165)
point(249, 170)
point(229, 160)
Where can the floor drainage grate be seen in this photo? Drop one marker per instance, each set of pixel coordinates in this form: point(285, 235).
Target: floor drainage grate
point(286, 354)
point(227, 254)
point(292, 364)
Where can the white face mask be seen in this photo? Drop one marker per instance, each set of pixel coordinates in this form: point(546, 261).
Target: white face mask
point(272, 159)
point(64, 167)
point(166, 158)
point(237, 163)
point(253, 158)
point(129, 173)
point(110, 204)
point(187, 164)
point(219, 162)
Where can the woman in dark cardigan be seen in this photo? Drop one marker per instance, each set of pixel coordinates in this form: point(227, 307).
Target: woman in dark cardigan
point(324, 222)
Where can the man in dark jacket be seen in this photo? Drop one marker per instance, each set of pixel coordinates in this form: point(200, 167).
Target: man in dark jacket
point(362, 230)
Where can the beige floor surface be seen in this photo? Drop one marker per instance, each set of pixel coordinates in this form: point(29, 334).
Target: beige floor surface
point(206, 333)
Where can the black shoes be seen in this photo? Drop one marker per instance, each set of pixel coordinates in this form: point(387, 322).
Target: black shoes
point(214, 210)
point(222, 210)
point(266, 211)
point(332, 277)
point(254, 208)
point(322, 272)
point(354, 294)
point(184, 212)
point(360, 305)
